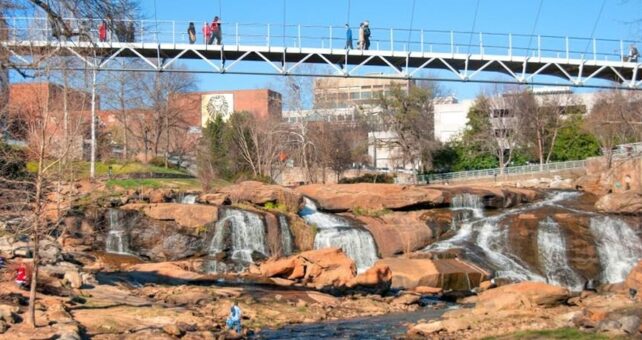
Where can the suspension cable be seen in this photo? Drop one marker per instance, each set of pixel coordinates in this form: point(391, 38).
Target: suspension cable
point(348, 18)
point(284, 14)
point(597, 20)
point(530, 39)
point(412, 19)
point(220, 9)
point(472, 30)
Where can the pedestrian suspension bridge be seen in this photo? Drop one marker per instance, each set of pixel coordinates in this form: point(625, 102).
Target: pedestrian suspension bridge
point(277, 49)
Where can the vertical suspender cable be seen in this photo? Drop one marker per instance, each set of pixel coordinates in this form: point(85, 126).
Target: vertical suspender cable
point(530, 39)
point(597, 20)
point(348, 15)
point(412, 19)
point(283, 61)
point(470, 40)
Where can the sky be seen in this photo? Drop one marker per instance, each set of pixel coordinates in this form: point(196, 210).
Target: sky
point(604, 19)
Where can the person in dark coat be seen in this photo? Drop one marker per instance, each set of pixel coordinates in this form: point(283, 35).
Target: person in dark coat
point(191, 33)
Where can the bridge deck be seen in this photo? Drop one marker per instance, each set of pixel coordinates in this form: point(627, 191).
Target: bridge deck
point(523, 58)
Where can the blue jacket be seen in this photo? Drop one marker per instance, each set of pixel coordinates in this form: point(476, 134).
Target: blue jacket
point(235, 314)
point(349, 34)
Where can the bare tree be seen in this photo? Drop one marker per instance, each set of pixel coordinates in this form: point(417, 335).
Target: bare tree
point(615, 119)
point(260, 142)
point(37, 122)
point(164, 115)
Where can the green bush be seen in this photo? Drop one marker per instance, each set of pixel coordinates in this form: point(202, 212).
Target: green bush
point(358, 211)
point(369, 178)
point(275, 206)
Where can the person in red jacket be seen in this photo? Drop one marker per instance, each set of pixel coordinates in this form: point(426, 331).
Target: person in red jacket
point(207, 32)
point(215, 28)
point(21, 276)
point(102, 31)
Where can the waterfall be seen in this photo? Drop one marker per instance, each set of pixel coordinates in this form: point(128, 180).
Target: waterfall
point(117, 239)
point(286, 237)
point(551, 246)
point(246, 232)
point(493, 240)
point(335, 231)
point(485, 241)
point(188, 199)
point(468, 202)
point(618, 247)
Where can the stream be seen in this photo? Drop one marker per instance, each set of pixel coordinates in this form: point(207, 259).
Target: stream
point(388, 326)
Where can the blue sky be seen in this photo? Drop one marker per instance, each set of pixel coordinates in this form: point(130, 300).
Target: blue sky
point(557, 17)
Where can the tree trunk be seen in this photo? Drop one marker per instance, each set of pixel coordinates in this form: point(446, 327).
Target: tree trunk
point(540, 150)
point(92, 168)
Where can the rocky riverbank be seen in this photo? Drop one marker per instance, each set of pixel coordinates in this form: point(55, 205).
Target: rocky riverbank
point(167, 264)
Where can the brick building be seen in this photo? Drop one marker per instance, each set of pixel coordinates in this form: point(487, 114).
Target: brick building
point(30, 103)
point(204, 106)
point(190, 112)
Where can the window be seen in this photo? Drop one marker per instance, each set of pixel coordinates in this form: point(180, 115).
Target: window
point(501, 113)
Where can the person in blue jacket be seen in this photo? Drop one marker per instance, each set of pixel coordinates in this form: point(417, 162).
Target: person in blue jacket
point(234, 320)
point(348, 38)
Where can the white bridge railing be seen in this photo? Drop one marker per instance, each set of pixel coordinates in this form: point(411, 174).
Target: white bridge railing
point(620, 151)
point(332, 37)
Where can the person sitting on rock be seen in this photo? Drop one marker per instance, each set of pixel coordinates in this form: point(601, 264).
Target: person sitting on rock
point(21, 276)
point(234, 320)
point(2, 264)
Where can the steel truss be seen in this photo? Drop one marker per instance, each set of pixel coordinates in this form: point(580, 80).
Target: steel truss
point(341, 63)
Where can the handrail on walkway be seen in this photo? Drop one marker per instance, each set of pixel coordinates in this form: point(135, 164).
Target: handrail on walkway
point(622, 150)
point(333, 37)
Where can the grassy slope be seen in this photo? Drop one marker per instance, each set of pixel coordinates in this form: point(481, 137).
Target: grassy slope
point(561, 333)
point(81, 169)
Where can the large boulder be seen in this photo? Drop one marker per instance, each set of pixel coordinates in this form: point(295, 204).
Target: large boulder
point(260, 194)
point(185, 215)
point(377, 278)
point(369, 196)
point(152, 231)
point(322, 268)
point(522, 295)
point(634, 279)
point(629, 202)
point(399, 232)
point(447, 274)
point(326, 269)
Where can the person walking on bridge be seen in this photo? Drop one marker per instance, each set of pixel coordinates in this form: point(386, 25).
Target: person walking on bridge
point(633, 54)
point(191, 33)
point(206, 32)
point(366, 35)
point(216, 31)
point(348, 38)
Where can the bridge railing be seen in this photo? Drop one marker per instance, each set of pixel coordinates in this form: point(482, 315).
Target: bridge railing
point(333, 37)
point(619, 152)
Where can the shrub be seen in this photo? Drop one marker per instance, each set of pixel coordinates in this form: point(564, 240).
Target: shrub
point(358, 211)
point(369, 178)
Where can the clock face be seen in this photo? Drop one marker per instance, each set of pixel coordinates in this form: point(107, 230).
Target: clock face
point(218, 105)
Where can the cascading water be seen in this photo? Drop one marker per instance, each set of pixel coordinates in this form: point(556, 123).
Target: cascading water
point(618, 247)
point(246, 233)
point(286, 237)
point(468, 202)
point(334, 231)
point(551, 246)
point(117, 240)
point(188, 199)
point(486, 241)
